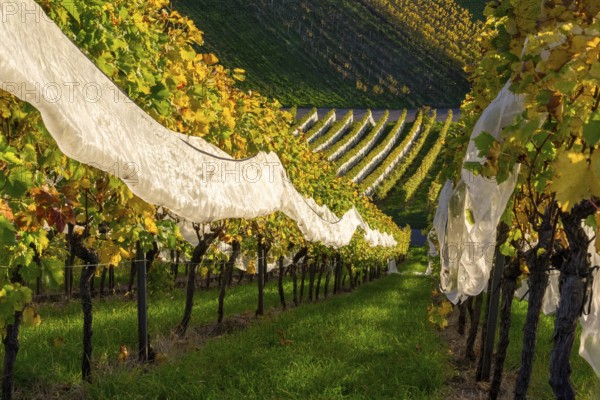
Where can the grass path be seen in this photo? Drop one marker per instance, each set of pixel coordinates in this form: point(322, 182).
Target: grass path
point(373, 343)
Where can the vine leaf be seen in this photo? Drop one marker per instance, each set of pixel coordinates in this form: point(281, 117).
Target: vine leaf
point(591, 129)
point(31, 317)
point(7, 231)
point(574, 179)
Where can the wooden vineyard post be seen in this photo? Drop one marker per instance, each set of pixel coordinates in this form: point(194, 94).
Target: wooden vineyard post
point(142, 304)
point(494, 293)
point(261, 276)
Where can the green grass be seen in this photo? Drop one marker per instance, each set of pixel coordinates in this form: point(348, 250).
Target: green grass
point(372, 343)
point(363, 345)
point(583, 377)
point(375, 342)
point(586, 384)
point(115, 323)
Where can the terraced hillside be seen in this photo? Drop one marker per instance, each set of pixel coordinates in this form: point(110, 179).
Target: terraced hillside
point(392, 157)
point(336, 53)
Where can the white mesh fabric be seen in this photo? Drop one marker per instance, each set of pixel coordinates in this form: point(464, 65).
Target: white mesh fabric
point(485, 197)
point(589, 347)
point(440, 221)
point(93, 122)
point(473, 243)
point(392, 268)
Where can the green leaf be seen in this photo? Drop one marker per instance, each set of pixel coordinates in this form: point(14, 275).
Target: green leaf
point(470, 217)
point(565, 86)
point(540, 252)
point(172, 239)
point(484, 142)
point(30, 272)
point(29, 153)
point(591, 129)
point(71, 8)
point(473, 166)
point(20, 179)
point(7, 231)
point(104, 62)
point(11, 157)
point(595, 71)
point(527, 129)
point(508, 250)
point(53, 271)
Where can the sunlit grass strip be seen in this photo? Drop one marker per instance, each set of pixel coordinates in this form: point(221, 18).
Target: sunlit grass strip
point(373, 343)
point(412, 184)
point(367, 164)
point(334, 133)
point(349, 140)
point(321, 126)
point(393, 175)
point(352, 157)
point(305, 122)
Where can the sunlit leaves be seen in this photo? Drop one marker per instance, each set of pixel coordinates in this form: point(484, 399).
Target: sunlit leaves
point(30, 317)
point(13, 298)
point(575, 178)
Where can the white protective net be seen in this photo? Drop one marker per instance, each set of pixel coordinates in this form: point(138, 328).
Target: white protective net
point(93, 122)
point(474, 209)
point(589, 347)
point(466, 246)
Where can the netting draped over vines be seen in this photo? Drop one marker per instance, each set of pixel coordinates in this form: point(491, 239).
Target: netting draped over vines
point(473, 210)
point(95, 123)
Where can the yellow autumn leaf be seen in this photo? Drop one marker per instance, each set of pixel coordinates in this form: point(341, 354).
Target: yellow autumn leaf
point(574, 179)
point(109, 253)
point(557, 59)
point(210, 59)
point(228, 120)
point(523, 267)
point(251, 269)
point(124, 253)
point(182, 101)
point(150, 225)
point(89, 242)
point(445, 308)
point(140, 206)
point(31, 317)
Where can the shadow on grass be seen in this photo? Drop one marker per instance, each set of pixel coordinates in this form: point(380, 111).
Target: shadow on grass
point(372, 343)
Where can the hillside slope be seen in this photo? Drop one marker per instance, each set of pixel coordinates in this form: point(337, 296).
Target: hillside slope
point(476, 7)
point(340, 53)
